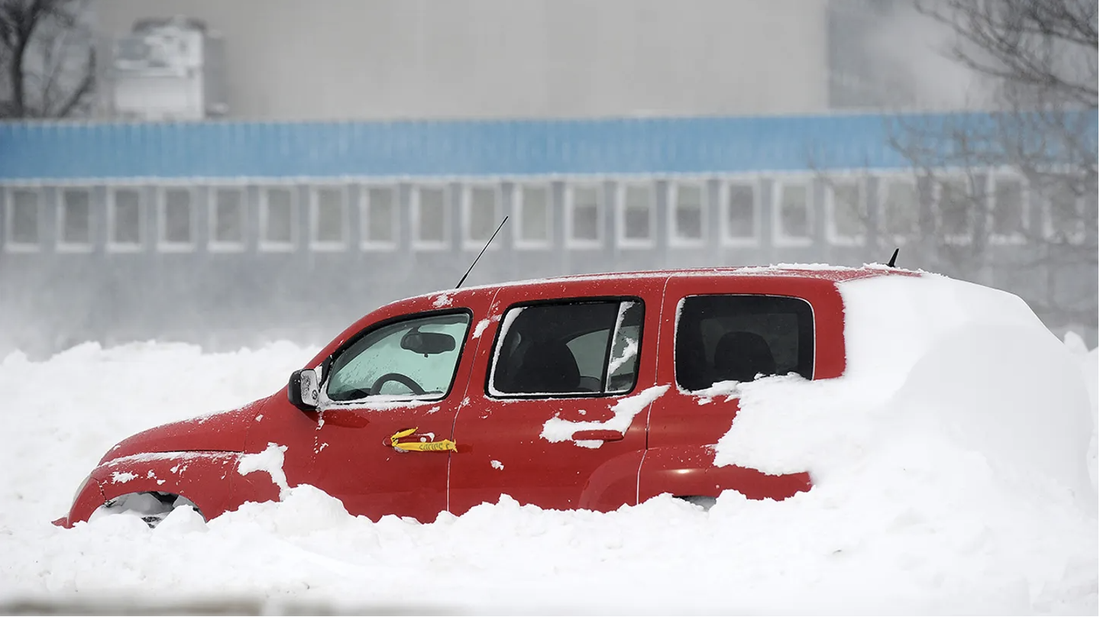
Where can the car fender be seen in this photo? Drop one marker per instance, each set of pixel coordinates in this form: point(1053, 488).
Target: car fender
point(612, 484)
point(688, 471)
point(209, 479)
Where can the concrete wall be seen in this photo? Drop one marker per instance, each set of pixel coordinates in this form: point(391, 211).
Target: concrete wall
point(381, 59)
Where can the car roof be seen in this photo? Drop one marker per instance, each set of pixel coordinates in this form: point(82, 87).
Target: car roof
point(819, 272)
point(447, 298)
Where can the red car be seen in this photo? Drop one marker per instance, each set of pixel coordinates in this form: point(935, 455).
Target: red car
point(573, 392)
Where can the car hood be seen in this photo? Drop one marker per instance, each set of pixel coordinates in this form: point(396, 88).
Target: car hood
point(224, 431)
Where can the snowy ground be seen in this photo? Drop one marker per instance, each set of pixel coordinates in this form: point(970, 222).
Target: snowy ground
point(982, 501)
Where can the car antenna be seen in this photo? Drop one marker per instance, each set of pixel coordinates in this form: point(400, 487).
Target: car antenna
point(893, 259)
point(463, 279)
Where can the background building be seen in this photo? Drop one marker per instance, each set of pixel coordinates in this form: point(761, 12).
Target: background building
point(260, 169)
point(385, 59)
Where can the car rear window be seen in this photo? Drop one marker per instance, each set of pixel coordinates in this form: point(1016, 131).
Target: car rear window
point(577, 347)
point(737, 337)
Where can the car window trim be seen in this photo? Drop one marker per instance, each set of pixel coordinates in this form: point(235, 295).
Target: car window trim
point(326, 365)
point(679, 313)
point(494, 350)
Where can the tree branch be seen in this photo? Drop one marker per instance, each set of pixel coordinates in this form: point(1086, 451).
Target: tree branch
point(22, 23)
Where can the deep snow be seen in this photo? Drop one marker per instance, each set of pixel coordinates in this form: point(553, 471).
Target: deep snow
point(952, 473)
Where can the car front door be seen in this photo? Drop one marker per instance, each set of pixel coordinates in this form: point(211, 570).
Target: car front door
point(388, 402)
point(555, 414)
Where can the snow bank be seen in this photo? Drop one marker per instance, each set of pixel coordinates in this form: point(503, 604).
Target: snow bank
point(914, 512)
point(69, 410)
point(954, 451)
point(929, 355)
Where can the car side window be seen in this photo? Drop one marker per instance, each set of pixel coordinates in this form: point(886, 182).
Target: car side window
point(412, 358)
point(579, 347)
point(737, 337)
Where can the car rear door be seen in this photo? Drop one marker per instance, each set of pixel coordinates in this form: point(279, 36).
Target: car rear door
point(555, 411)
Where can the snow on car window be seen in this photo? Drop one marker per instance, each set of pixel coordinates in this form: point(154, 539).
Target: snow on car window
point(622, 368)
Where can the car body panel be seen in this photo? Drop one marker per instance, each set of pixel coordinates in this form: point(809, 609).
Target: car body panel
point(689, 471)
point(211, 480)
point(225, 431)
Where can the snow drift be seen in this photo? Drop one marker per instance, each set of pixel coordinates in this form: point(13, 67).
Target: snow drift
point(949, 465)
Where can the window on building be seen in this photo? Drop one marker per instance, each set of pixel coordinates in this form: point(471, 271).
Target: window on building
point(177, 219)
point(23, 215)
point(793, 200)
point(584, 216)
point(900, 208)
point(1064, 212)
point(688, 212)
point(737, 337)
point(431, 217)
point(76, 218)
point(379, 217)
point(740, 212)
point(636, 215)
point(568, 348)
point(954, 206)
point(1008, 214)
point(847, 210)
point(482, 214)
point(126, 217)
point(277, 217)
point(534, 215)
point(228, 219)
point(328, 217)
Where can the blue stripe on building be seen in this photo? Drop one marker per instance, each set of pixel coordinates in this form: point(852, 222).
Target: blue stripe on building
point(71, 151)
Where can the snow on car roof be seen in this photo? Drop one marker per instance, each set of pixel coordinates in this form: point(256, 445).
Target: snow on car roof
point(815, 271)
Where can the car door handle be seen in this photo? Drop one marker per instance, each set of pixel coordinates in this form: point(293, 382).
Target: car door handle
point(419, 446)
point(597, 435)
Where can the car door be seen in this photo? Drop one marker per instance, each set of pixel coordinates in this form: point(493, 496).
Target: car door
point(555, 411)
point(388, 402)
point(716, 332)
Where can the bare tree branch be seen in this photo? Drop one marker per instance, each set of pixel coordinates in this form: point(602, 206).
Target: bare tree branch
point(1042, 57)
point(1006, 195)
point(81, 91)
point(1025, 42)
point(26, 27)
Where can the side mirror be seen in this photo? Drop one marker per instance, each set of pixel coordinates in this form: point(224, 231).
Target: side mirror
point(304, 389)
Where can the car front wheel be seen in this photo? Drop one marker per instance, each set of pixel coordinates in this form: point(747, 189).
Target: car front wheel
point(152, 507)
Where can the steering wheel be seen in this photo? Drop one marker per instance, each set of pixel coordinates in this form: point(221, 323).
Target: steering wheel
point(398, 377)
